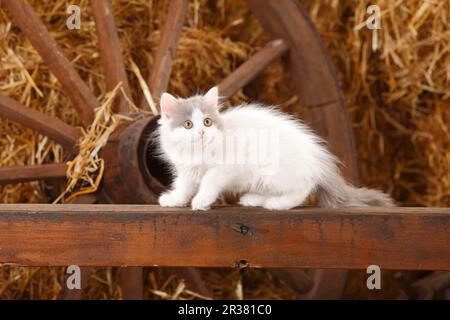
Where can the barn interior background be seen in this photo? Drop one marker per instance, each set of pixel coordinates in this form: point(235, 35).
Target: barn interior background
point(398, 96)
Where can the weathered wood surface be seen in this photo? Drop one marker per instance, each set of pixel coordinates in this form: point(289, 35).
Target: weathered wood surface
point(16, 174)
point(55, 129)
point(124, 235)
point(252, 67)
point(110, 52)
point(30, 24)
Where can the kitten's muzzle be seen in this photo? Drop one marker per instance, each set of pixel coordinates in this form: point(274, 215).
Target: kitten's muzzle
point(201, 132)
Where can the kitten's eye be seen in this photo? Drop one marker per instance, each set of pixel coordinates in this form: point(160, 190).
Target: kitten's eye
point(188, 124)
point(207, 122)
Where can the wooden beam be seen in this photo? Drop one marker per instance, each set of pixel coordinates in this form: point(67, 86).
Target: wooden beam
point(110, 51)
point(148, 235)
point(170, 34)
point(55, 129)
point(16, 174)
point(252, 67)
point(36, 32)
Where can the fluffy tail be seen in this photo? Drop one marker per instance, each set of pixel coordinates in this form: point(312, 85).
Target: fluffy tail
point(336, 192)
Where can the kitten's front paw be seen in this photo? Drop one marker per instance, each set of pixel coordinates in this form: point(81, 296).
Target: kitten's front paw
point(276, 204)
point(201, 202)
point(170, 199)
point(251, 200)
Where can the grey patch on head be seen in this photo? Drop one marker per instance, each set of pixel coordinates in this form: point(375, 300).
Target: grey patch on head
point(186, 107)
point(183, 111)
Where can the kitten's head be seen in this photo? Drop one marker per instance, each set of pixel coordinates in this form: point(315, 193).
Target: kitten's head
point(195, 120)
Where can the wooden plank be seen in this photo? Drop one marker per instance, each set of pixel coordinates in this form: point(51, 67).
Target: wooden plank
point(30, 24)
point(252, 67)
point(170, 33)
point(110, 51)
point(148, 235)
point(16, 174)
point(55, 129)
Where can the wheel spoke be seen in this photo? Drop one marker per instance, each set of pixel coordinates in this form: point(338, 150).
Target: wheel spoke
point(30, 24)
point(110, 51)
point(62, 133)
point(170, 34)
point(251, 68)
point(16, 174)
point(132, 283)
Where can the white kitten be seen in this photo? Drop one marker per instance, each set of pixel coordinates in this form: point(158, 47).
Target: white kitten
point(200, 142)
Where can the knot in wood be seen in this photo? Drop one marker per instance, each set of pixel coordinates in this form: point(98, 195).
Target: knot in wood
point(242, 229)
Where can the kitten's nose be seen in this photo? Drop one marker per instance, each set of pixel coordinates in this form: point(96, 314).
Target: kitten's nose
point(201, 132)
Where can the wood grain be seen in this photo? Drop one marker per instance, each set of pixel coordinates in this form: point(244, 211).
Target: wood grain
point(146, 235)
point(252, 67)
point(30, 24)
point(55, 129)
point(16, 174)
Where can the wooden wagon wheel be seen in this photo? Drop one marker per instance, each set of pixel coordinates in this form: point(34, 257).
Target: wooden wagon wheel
point(131, 176)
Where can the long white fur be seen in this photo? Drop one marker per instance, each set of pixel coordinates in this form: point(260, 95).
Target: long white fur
point(305, 165)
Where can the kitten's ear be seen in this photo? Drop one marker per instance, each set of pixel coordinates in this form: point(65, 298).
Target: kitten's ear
point(168, 104)
point(212, 97)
